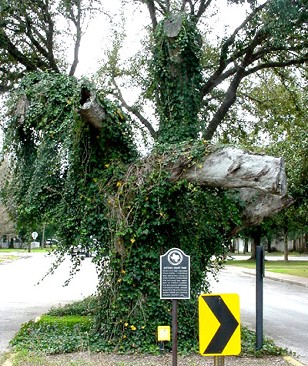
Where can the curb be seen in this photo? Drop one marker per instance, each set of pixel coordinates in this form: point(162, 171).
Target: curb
point(292, 281)
point(293, 362)
point(8, 362)
point(271, 276)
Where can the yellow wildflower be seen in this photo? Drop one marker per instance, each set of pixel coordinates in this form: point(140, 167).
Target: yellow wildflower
point(132, 240)
point(132, 327)
point(125, 324)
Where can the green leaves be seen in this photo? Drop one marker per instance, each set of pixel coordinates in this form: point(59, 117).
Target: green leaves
point(176, 74)
point(53, 335)
point(61, 163)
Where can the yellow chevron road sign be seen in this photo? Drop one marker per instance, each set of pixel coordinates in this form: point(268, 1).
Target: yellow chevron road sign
point(219, 325)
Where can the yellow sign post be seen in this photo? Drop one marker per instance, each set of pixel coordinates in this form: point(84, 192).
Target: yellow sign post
point(163, 333)
point(219, 325)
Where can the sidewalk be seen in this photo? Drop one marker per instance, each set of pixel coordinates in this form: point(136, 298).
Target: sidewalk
point(300, 281)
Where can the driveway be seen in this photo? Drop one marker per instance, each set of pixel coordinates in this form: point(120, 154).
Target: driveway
point(23, 299)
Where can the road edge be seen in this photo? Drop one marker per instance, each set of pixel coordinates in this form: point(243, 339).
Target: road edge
point(292, 361)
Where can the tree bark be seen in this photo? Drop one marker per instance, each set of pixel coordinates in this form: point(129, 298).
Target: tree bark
point(259, 180)
point(230, 167)
point(92, 112)
point(286, 245)
point(259, 205)
point(245, 246)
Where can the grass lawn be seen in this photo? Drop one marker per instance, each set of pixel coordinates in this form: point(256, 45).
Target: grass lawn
point(295, 268)
point(8, 255)
point(25, 250)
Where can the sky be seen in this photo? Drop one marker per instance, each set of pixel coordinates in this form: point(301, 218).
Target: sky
point(99, 35)
point(99, 32)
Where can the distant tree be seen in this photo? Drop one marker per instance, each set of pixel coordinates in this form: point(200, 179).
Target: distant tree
point(278, 113)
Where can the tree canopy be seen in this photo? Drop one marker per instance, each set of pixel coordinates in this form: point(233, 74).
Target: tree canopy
point(33, 35)
point(183, 50)
point(73, 152)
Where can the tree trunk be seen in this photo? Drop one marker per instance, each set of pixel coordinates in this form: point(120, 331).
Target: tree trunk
point(295, 244)
point(286, 248)
point(246, 246)
point(43, 236)
point(269, 243)
point(256, 240)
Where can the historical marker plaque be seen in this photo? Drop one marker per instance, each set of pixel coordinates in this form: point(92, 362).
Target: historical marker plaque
point(175, 275)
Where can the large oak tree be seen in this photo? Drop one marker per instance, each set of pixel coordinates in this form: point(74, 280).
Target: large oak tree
point(75, 162)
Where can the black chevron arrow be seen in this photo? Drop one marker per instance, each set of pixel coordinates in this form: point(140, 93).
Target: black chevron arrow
point(227, 321)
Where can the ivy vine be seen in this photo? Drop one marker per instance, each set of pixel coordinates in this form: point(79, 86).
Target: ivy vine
point(93, 186)
point(177, 79)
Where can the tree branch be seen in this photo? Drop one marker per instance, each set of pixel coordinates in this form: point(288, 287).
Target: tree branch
point(202, 8)
point(259, 180)
point(277, 64)
point(226, 104)
point(95, 114)
point(77, 23)
point(224, 61)
point(259, 205)
point(192, 8)
point(49, 34)
point(91, 110)
point(230, 167)
point(231, 92)
point(37, 45)
point(152, 11)
point(134, 111)
point(6, 43)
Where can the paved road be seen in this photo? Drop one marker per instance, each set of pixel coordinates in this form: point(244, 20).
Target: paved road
point(21, 299)
point(285, 307)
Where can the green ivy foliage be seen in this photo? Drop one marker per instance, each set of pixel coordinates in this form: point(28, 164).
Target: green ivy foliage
point(58, 160)
point(70, 329)
point(177, 80)
point(92, 185)
point(54, 335)
point(151, 214)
